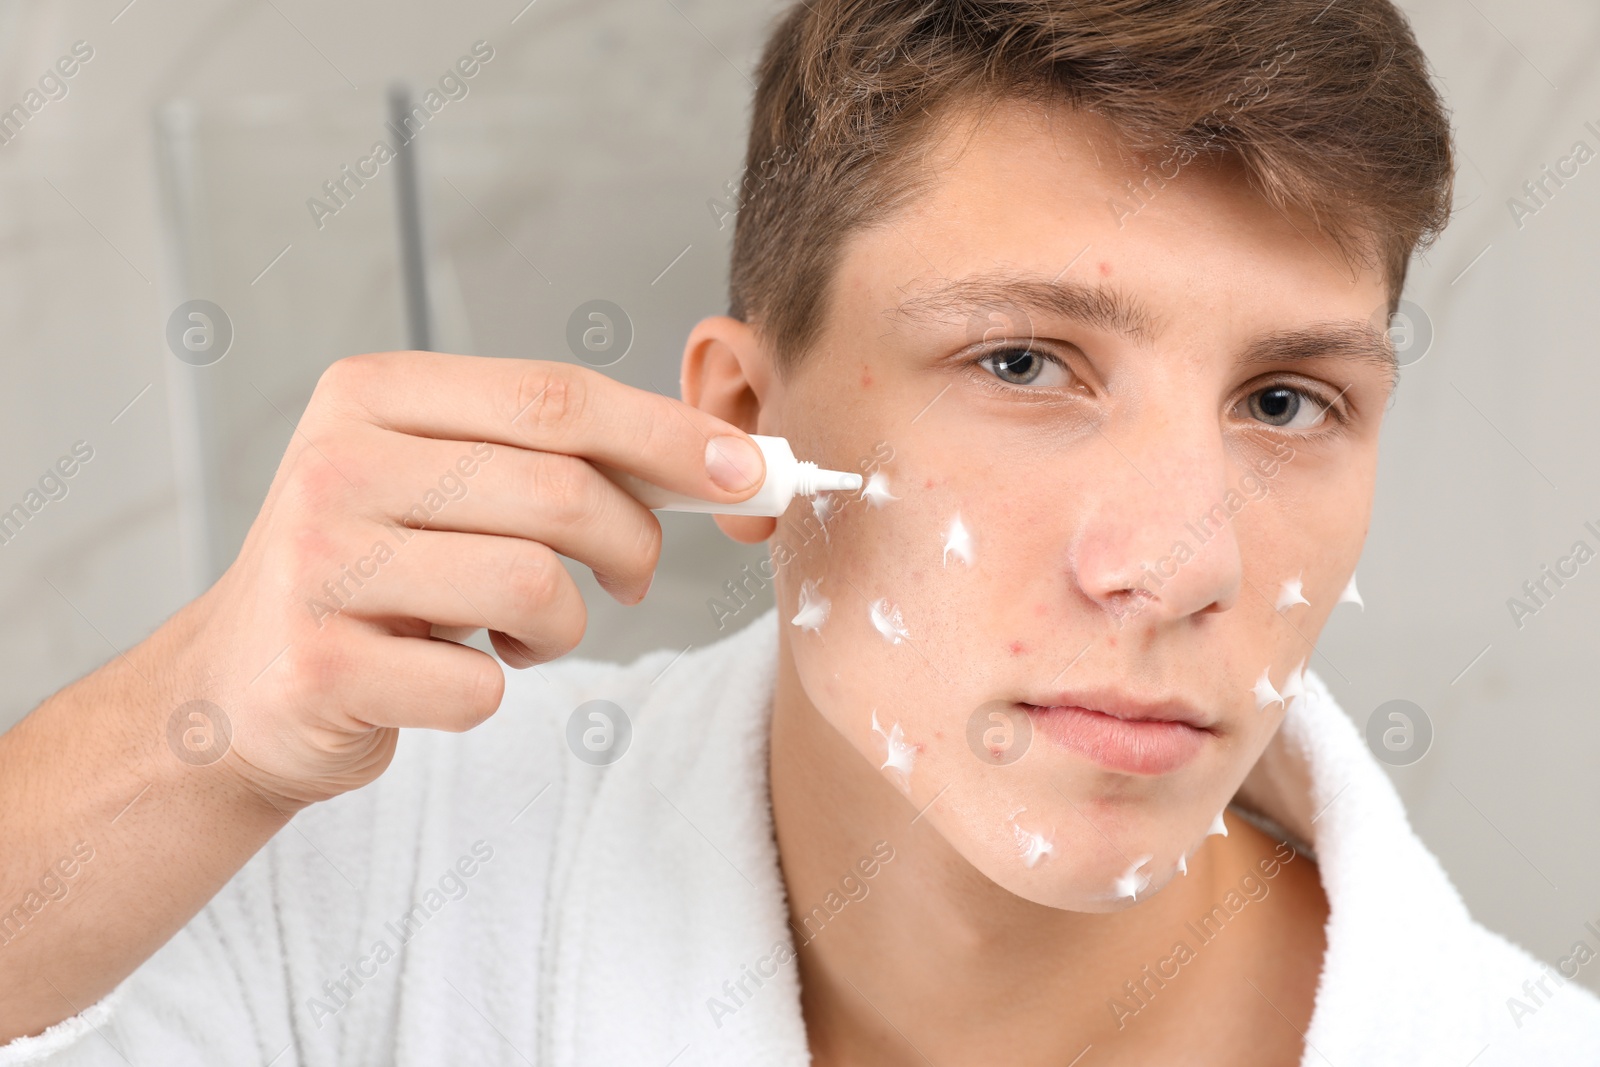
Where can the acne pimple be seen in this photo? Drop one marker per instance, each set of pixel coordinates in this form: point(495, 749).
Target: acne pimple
point(1131, 882)
point(1031, 844)
point(1016, 648)
point(877, 490)
point(958, 540)
point(1264, 692)
point(866, 378)
point(898, 755)
point(886, 620)
point(1351, 595)
point(1105, 269)
point(928, 483)
point(814, 607)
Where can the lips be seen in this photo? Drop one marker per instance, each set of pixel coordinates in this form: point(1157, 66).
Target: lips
point(1120, 733)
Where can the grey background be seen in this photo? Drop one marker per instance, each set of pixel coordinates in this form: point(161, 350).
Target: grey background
point(579, 167)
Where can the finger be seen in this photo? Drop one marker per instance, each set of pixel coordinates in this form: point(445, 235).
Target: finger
point(514, 652)
point(557, 500)
point(421, 682)
point(509, 648)
point(550, 407)
point(453, 579)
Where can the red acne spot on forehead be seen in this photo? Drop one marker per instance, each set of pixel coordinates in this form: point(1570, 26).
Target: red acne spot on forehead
point(1105, 269)
point(1016, 647)
point(1111, 639)
point(928, 484)
point(866, 377)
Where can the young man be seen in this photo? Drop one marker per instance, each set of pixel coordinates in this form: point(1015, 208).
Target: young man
point(1027, 767)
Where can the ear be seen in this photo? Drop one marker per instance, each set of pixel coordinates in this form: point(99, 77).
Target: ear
point(727, 372)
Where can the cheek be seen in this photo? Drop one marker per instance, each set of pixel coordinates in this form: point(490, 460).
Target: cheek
point(909, 562)
point(899, 603)
point(863, 582)
point(1299, 548)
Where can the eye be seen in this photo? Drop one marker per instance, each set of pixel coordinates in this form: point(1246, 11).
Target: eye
point(1026, 366)
point(1286, 408)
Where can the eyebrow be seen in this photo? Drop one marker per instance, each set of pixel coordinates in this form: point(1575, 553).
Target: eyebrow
point(1108, 308)
point(1359, 341)
point(1102, 307)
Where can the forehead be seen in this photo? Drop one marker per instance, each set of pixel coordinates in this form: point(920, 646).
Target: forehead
point(1030, 190)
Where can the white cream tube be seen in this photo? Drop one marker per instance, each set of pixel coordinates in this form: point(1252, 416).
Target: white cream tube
point(786, 479)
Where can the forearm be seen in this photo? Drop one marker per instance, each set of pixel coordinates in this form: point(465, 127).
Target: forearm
point(112, 840)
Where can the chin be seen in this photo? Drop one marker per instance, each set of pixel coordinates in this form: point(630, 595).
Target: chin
point(1044, 846)
point(1076, 873)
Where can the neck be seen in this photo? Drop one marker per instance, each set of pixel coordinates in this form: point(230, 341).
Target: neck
point(880, 904)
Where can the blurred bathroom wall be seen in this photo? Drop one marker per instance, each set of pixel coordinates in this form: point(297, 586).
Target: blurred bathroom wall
point(578, 166)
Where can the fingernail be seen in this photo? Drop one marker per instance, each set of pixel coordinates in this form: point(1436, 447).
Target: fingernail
point(733, 462)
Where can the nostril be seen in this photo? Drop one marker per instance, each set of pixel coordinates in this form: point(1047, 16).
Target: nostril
point(1127, 603)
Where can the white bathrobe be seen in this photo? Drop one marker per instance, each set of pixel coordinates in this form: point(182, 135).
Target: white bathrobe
point(492, 899)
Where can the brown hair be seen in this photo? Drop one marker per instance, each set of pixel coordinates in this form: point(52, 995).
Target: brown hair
point(1327, 105)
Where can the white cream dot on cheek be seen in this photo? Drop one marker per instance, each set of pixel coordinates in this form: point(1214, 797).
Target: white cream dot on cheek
point(1265, 694)
point(877, 490)
point(814, 607)
point(958, 540)
point(886, 620)
point(1131, 882)
point(1033, 845)
point(823, 506)
point(1218, 826)
point(1294, 686)
point(899, 755)
point(1292, 593)
point(1352, 595)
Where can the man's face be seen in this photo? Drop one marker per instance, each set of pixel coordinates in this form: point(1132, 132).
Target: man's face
point(1124, 459)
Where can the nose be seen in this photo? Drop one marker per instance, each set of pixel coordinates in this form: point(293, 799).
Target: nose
point(1156, 537)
